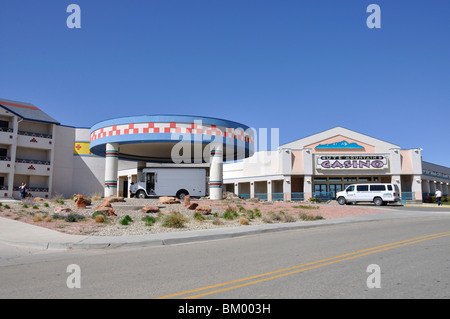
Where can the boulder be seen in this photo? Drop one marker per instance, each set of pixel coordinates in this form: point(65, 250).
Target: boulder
point(192, 206)
point(187, 200)
point(115, 199)
point(62, 210)
point(168, 200)
point(108, 211)
point(203, 209)
point(81, 202)
point(150, 209)
point(106, 208)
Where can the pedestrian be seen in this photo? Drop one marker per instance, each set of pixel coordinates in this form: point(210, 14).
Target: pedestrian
point(438, 197)
point(23, 190)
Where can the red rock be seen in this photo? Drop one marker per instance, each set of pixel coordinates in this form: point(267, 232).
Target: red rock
point(150, 209)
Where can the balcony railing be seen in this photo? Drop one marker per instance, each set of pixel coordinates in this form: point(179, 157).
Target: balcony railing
point(34, 134)
point(31, 161)
point(6, 129)
point(33, 189)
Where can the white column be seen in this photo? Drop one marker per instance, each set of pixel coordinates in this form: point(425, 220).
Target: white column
point(287, 188)
point(140, 166)
point(111, 167)
point(417, 187)
point(269, 191)
point(216, 173)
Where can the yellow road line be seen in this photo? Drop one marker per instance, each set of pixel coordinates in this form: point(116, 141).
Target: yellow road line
point(313, 265)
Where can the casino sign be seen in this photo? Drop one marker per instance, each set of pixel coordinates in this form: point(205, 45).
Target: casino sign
point(352, 162)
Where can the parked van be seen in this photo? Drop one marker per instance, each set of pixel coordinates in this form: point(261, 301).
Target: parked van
point(379, 194)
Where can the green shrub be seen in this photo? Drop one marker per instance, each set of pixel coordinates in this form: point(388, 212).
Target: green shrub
point(73, 218)
point(127, 219)
point(199, 216)
point(149, 220)
point(230, 214)
point(46, 204)
point(308, 217)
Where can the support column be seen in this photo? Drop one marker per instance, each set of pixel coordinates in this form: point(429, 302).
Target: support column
point(287, 189)
point(236, 189)
point(216, 173)
point(111, 167)
point(417, 187)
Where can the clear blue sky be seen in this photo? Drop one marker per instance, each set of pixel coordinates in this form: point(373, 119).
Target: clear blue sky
point(301, 66)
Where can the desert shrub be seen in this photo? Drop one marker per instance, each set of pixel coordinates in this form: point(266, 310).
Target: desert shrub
point(96, 213)
point(243, 221)
point(230, 214)
point(99, 218)
point(37, 219)
point(289, 218)
point(174, 220)
point(199, 216)
point(73, 218)
point(307, 217)
point(149, 220)
point(126, 220)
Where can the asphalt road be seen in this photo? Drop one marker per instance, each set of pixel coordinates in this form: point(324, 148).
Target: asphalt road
point(398, 258)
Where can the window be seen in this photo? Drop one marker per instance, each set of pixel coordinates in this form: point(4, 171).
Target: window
point(364, 179)
point(377, 188)
point(4, 124)
point(362, 188)
point(350, 179)
point(351, 188)
point(389, 187)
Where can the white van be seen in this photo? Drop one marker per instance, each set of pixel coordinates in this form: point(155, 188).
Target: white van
point(379, 194)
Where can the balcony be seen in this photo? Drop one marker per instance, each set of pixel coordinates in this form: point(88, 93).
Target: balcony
point(32, 167)
point(5, 164)
point(34, 140)
point(6, 135)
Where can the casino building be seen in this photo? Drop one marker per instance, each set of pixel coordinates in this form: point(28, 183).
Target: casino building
point(61, 160)
point(322, 164)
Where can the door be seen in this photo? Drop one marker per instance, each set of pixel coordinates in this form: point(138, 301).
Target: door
point(150, 183)
point(320, 191)
point(335, 188)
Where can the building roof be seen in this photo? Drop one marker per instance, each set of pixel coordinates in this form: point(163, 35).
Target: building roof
point(27, 111)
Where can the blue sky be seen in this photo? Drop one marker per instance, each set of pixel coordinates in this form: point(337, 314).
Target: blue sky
point(300, 66)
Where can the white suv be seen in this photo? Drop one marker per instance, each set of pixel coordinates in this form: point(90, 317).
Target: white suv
point(379, 194)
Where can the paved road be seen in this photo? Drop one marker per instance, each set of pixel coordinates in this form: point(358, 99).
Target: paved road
point(413, 256)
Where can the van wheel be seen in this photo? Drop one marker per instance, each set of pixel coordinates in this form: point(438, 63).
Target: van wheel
point(378, 201)
point(181, 194)
point(140, 194)
point(341, 200)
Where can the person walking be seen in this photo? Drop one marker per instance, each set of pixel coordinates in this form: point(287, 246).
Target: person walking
point(23, 190)
point(438, 197)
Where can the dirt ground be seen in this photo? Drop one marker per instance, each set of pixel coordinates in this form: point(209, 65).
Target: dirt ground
point(41, 213)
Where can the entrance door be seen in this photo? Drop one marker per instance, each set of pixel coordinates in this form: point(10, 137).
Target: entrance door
point(150, 186)
point(335, 188)
point(320, 191)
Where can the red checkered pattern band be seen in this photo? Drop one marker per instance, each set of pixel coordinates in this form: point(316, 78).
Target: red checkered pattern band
point(184, 128)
